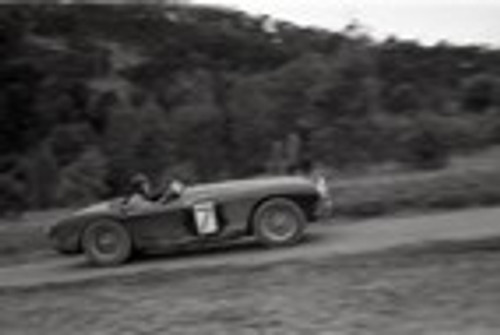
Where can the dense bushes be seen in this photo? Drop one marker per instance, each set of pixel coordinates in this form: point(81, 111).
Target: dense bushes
point(91, 95)
point(12, 196)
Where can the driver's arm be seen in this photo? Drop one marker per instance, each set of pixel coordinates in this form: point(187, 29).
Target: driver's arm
point(172, 192)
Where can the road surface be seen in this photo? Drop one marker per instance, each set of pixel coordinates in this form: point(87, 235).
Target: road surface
point(325, 239)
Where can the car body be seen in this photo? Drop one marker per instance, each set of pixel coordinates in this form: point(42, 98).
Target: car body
point(109, 232)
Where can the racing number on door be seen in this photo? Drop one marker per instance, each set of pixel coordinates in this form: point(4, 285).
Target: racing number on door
point(205, 217)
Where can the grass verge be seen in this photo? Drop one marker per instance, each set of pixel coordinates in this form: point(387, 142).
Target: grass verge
point(447, 288)
point(420, 191)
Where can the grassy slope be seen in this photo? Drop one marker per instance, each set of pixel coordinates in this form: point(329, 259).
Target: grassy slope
point(466, 182)
point(441, 289)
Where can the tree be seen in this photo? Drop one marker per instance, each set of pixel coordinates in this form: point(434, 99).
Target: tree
point(40, 171)
point(425, 143)
point(481, 92)
point(12, 197)
point(404, 98)
point(84, 180)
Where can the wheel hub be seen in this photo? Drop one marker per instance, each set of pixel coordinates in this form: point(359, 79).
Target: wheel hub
point(279, 225)
point(107, 242)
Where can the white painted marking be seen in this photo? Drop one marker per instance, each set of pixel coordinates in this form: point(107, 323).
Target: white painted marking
point(206, 219)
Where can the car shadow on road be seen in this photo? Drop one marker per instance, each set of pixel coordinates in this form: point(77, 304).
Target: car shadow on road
point(209, 251)
point(240, 247)
point(249, 248)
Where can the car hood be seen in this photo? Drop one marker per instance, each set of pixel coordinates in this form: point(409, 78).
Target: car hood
point(111, 207)
point(247, 187)
point(107, 208)
point(219, 191)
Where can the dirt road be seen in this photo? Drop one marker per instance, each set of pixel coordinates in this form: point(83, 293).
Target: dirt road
point(325, 238)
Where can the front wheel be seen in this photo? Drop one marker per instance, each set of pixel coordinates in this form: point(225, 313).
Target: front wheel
point(106, 243)
point(279, 222)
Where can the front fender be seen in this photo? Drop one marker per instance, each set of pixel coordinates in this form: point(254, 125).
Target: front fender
point(66, 236)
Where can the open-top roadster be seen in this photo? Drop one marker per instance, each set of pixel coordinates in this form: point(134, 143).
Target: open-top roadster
point(275, 210)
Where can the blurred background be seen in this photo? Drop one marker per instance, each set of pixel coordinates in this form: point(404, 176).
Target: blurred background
point(90, 95)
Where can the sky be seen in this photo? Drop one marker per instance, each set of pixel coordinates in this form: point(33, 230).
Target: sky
point(428, 21)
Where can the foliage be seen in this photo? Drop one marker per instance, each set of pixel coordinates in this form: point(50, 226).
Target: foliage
point(11, 197)
point(83, 181)
point(92, 94)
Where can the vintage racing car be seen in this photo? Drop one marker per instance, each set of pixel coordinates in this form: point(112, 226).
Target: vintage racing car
point(275, 210)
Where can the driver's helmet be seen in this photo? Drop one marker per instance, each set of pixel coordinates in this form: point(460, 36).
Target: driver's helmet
point(140, 183)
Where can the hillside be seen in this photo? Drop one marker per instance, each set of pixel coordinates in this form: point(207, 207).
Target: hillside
point(92, 94)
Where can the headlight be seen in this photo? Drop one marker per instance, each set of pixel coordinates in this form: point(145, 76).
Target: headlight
point(325, 205)
point(322, 187)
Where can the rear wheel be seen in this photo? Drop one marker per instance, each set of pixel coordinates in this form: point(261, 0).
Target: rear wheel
point(106, 243)
point(279, 222)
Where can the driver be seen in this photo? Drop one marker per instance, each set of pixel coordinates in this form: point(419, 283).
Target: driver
point(140, 185)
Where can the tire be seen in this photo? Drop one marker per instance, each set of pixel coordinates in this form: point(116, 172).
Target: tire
point(106, 243)
point(279, 222)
